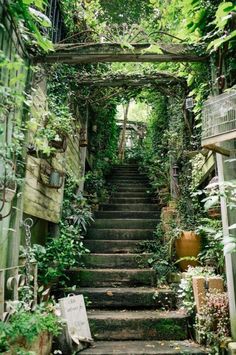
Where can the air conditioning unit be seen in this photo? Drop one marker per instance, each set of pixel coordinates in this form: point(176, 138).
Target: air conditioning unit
point(219, 119)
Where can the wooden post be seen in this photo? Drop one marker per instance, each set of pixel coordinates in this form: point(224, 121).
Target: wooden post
point(230, 259)
point(122, 142)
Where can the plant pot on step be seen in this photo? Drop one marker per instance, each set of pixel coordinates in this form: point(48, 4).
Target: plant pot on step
point(214, 212)
point(41, 345)
point(187, 248)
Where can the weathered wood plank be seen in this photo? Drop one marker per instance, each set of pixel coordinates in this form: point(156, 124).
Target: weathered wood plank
point(39, 200)
point(113, 52)
point(131, 80)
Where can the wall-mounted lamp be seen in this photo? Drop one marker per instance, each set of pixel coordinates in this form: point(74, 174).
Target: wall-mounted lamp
point(175, 170)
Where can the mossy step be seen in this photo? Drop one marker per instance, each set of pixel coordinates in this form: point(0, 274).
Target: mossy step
point(131, 200)
point(131, 184)
point(125, 194)
point(138, 325)
point(120, 234)
point(134, 188)
point(127, 214)
point(129, 298)
point(119, 261)
point(130, 179)
point(113, 277)
point(127, 173)
point(117, 223)
point(129, 207)
point(113, 246)
point(153, 347)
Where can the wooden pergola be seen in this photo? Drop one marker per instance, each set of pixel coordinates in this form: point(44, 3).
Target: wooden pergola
point(77, 53)
point(130, 80)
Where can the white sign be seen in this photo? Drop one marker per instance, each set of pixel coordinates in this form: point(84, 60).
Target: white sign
point(74, 312)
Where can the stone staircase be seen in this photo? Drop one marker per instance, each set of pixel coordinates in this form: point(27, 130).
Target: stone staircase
point(128, 315)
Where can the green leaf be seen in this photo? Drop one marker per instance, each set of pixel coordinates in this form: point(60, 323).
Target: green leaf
point(154, 48)
point(229, 248)
point(221, 18)
point(233, 226)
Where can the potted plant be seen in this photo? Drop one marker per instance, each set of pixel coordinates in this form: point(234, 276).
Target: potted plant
point(29, 331)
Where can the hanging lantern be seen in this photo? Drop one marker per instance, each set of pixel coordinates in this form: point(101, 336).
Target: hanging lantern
point(189, 103)
point(175, 170)
point(83, 142)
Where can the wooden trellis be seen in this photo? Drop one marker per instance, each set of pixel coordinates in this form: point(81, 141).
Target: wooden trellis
point(134, 80)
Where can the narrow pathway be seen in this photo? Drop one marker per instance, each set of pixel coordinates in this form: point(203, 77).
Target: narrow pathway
point(128, 314)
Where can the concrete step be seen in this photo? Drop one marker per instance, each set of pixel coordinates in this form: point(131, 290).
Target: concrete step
point(119, 261)
point(153, 347)
point(130, 194)
point(131, 200)
point(129, 298)
point(138, 325)
point(130, 207)
point(112, 277)
point(127, 214)
point(120, 234)
point(125, 223)
point(112, 246)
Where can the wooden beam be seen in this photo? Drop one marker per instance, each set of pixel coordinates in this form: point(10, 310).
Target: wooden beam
point(217, 149)
point(76, 53)
point(135, 80)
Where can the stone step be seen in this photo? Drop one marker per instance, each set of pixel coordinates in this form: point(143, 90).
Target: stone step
point(130, 207)
point(131, 200)
point(112, 277)
point(112, 246)
point(153, 347)
point(130, 194)
point(120, 234)
point(125, 223)
point(138, 325)
point(127, 173)
point(127, 214)
point(135, 188)
point(141, 179)
point(129, 298)
point(119, 261)
point(130, 184)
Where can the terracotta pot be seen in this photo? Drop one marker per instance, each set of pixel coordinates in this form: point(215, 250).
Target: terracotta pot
point(41, 345)
point(214, 212)
point(188, 245)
